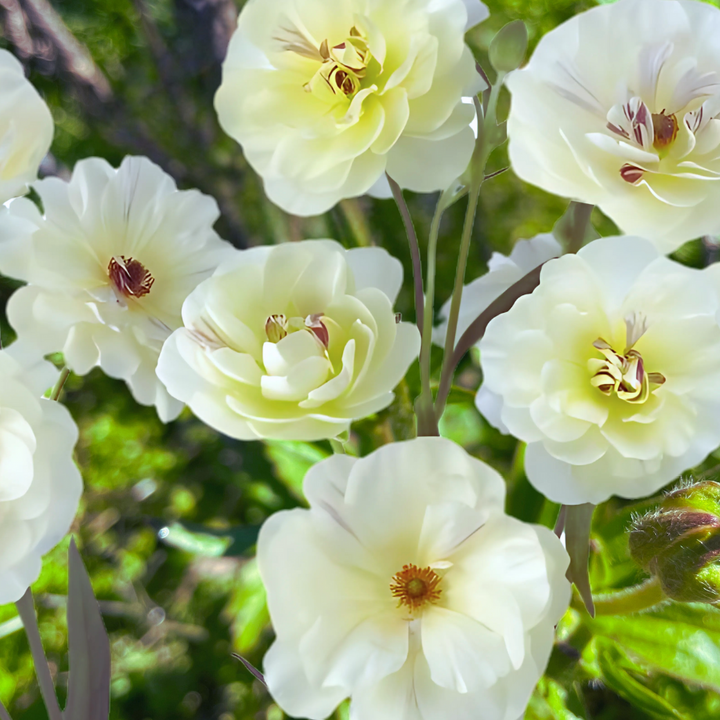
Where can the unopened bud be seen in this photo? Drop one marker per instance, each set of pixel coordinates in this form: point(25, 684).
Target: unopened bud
point(680, 543)
point(508, 47)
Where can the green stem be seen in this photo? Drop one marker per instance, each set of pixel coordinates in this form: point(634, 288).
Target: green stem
point(26, 608)
point(634, 599)
point(64, 375)
point(448, 370)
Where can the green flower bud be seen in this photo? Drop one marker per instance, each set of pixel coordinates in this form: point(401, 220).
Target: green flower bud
point(679, 543)
point(508, 47)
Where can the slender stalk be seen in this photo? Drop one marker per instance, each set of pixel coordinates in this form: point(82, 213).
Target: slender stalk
point(414, 251)
point(448, 369)
point(26, 608)
point(64, 375)
point(625, 602)
point(4, 714)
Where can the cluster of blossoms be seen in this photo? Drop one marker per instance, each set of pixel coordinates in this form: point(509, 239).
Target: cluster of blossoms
point(404, 587)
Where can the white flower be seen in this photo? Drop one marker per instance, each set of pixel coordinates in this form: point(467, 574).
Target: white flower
point(291, 342)
point(40, 486)
point(108, 267)
point(503, 272)
point(407, 588)
point(327, 96)
point(610, 370)
point(619, 107)
point(26, 129)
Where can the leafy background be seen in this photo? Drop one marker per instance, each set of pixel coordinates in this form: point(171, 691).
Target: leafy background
point(170, 514)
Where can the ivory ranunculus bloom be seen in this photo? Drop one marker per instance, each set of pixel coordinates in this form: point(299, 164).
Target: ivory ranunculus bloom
point(325, 97)
point(406, 588)
point(618, 107)
point(108, 267)
point(610, 371)
point(40, 486)
point(503, 272)
point(26, 129)
point(291, 342)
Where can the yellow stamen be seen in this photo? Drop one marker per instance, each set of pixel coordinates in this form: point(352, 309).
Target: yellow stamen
point(415, 587)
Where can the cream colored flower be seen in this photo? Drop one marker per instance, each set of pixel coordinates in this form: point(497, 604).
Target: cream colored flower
point(26, 129)
point(292, 342)
point(610, 371)
point(619, 107)
point(40, 487)
point(503, 272)
point(406, 588)
point(325, 96)
point(108, 267)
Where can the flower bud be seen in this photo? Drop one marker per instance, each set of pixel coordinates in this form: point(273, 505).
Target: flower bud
point(508, 47)
point(679, 543)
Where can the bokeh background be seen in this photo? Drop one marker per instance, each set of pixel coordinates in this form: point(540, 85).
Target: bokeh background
point(171, 513)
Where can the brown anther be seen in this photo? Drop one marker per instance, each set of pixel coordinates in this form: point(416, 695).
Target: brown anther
point(129, 276)
point(631, 173)
point(276, 328)
point(414, 587)
point(315, 324)
point(665, 130)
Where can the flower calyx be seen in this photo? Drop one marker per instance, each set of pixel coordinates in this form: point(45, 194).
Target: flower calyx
point(679, 543)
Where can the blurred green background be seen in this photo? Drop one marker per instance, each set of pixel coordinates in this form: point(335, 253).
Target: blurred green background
point(171, 513)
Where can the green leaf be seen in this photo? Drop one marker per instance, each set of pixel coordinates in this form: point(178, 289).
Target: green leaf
point(578, 519)
point(618, 674)
point(88, 647)
point(550, 702)
point(248, 609)
point(210, 542)
point(679, 639)
point(292, 460)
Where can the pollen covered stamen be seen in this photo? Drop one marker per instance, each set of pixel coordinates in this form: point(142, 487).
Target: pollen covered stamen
point(343, 67)
point(278, 327)
point(624, 374)
point(665, 129)
point(414, 587)
point(129, 276)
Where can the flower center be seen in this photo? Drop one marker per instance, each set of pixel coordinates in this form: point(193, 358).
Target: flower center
point(624, 374)
point(414, 587)
point(129, 276)
point(343, 67)
point(278, 327)
point(665, 130)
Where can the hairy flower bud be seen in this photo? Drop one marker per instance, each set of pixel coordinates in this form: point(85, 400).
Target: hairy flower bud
point(680, 543)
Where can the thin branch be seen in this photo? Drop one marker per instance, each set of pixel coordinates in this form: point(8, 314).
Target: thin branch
point(26, 608)
point(64, 375)
point(414, 251)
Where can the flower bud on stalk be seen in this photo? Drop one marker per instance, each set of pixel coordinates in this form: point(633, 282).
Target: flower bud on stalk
point(680, 543)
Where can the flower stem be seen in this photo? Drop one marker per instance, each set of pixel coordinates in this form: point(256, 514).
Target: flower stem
point(635, 599)
point(448, 369)
point(64, 375)
point(26, 608)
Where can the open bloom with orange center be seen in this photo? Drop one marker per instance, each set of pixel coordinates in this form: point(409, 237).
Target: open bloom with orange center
point(620, 107)
point(406, 588)
point(26, 129)
point(291, 342)
point(325, 97)
point(609, 370)
point(108, 267)
point(40, 487)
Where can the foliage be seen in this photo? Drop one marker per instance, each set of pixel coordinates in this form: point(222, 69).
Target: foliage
point(171, 512)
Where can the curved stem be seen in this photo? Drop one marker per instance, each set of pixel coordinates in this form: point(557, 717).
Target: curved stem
point(64, 375)
point(26, 608)
point(635, 599)
point(414, 251)
point(448, 369)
